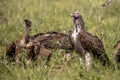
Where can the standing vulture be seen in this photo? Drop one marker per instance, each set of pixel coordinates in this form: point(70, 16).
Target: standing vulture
point(85, 44)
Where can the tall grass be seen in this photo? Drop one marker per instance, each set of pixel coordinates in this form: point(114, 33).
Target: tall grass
point(54, 15)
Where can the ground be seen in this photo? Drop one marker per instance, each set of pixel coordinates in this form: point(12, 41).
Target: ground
point(54, 15)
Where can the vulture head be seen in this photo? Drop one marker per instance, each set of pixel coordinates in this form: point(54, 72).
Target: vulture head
point(27, 22)
point(77, 19)
point(76, 15)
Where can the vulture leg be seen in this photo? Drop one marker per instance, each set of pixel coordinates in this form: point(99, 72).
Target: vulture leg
point(80, 57)
point(88, 60)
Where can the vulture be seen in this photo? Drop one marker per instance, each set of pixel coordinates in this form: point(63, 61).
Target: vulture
point(32, 46)
point(85, 44)
point(117, 52)
point(13, 48)
point(106, 3)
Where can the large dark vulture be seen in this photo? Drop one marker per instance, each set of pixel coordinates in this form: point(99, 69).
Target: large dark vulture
point(85, 43)
point(117, 52)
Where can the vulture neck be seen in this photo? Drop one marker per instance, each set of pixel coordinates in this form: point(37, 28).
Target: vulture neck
point(26, 34)
point(78, 25)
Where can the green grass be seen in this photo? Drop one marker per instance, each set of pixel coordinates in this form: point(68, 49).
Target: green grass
point(54, 15)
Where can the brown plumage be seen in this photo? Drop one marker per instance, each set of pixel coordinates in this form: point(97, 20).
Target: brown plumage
point(34, 50)
point(94, 45)
point(15, 47)
point(85, 43)
point(54, 40)
point(10, 49)
point(32, 46)
point(40, 44)
point(117, 52)
point(22, 43)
